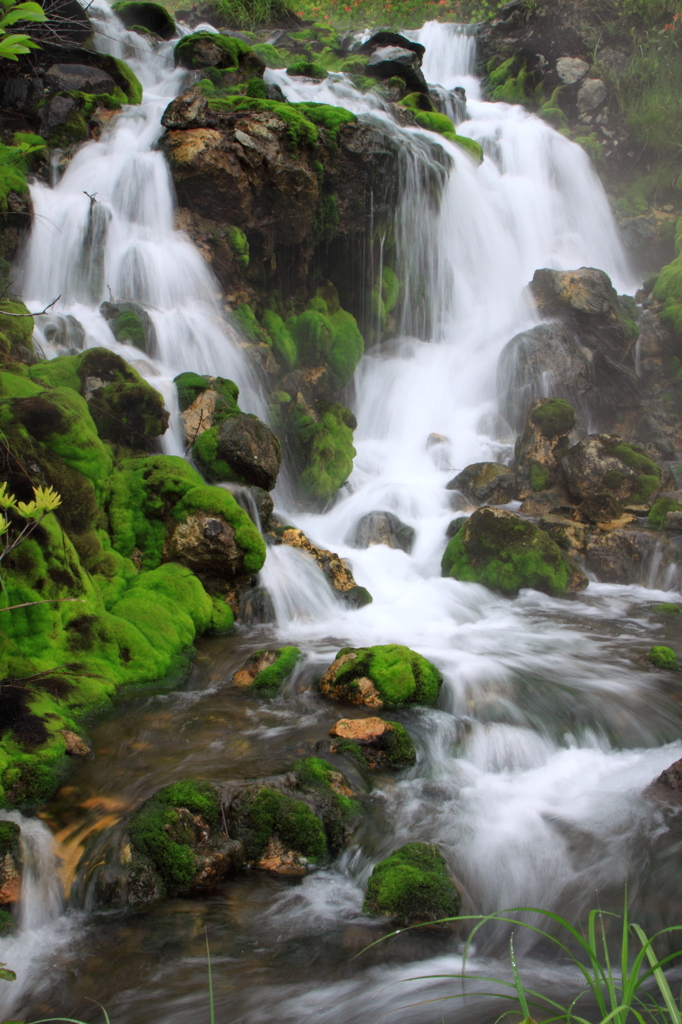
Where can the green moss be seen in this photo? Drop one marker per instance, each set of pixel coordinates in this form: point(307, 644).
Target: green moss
point(554, 417)
point(266, 813)
point(132, 87)
point(551, 112)
point(663, 657)
point(508, 87)
point(419, 101)
point(246, 318)
point(649, 474)
point(658, 512)
point(257, 87)
point(668, 608)
point(322, 338)
point(147, 15)
point(129, 327)
point(189, 386)
point(330, 456)
point(268, 682)
point(270, 55)
point(222, 616)
point(9, 837)
point(6, 922)
point(412, 885)
point(238, 242)
point(539, 476)
point(400, 675)
point(340, 813)
point(506, 553)
point(15, 331)
point(159, 832)
point(234, 49)
point(281, 340)
point(668, 287)
point(307, 69)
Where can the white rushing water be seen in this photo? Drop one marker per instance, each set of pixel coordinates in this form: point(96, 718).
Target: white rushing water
point(539, 695)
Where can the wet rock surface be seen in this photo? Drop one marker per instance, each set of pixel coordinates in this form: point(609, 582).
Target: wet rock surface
point(382, 528)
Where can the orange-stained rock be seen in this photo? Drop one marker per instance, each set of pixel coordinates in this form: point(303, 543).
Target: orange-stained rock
point(253, 667)
point(362, 730)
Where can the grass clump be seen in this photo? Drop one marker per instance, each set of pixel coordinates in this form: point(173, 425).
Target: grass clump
point(412, 885)
point(663, 657)
point(252, 14)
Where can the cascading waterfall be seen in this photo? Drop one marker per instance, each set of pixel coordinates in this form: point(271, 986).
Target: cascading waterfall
point(531, 773)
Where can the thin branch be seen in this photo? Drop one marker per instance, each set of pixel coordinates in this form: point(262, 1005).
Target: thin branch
point(51, 600)
point(41, 313)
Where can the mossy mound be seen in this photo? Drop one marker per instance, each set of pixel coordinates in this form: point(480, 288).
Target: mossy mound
point(16, 331)
point(668, 608)
point(553, 417)
point(265, 671)
point(663, 657)
point(504, 552)
point(431, 121)
point(318, 441)
point(10, 833)
point(210, 49)
point(412, 886)
point(668, 287)
point(173, 826)
point(390, 675)
point(659, 510)
point(144, 14)
point(307, 69)
point(331, 793)
point(241, 449)
point(125, 408)
point(262, 817)
point(191, 385)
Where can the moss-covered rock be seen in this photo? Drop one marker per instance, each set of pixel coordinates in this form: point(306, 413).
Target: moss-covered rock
point(668, 608)
point(543, 442)
point(279, 831)
point(332, 798)
point(10, 875)
point(265, 671)
point(390, 675)
point(485, 483)
point(412, 886)
point(663, 657)
point(373, 742)
point(668, 286)
point(131, 323)
point(605, 464)
point(307, 69)
point(145, 14)
point(659, 510)
point(16, 331)
point(319, 443)
point(213, 50)
point(504, 552)
point(242, 449)
point(181, 830)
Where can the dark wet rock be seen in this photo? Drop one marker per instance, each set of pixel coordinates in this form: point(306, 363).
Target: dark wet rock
point(55, 113)
point(587, 303)
point(388, 675)
point(381, 39)
point(130, 322)
point(66, 77)
point(497, 548)
point(373, 742)
point(455, 525)
point(545, 360)
point(205, 542)
point(382, 528)
point(488, 483)
point(412, 886)
point(396, 61)
point(603, 464)
point(250, 449)
point(147, 15)
point(622, 555)
point(542, 443)
point(672, 777)
point(22, 94)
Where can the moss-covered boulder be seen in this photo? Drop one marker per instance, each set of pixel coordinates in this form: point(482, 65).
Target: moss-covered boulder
point(125, 408)
point(386, 676)
point(280, 832)
point(265, 671)
point(131, 323)
point(543, 442)
point(663, 657)
point(606, 465)
point(213, 50)
point(145, 15)
point(180, 829)
point(332, 797)
point(242, 449)
point(657, 519)
point(485, 483)
point(497, 548)
point(586, 301)
point(307, 69)
point(318, 442)
point(412, 886)
point(373, 742)
point(16, 330)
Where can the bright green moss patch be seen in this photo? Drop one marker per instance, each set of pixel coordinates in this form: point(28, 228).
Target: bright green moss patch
point(189, 386)
point(412, 885)
point(400, 675)
point(659, 510)
point(321, 448)
point(668, 608)
point(301, 130)
point(504, 552)
point(15, 331)
point(281, 340)
point(270, 55)
point(648, 473)
point(307, 69)
point(668, 286)
point(133, 86)
point(164, 835)
point(234, 49)
point(553, 418)
point(129, 327)
point(663, 657)
point(268, 682)
point(263, 813)
point(340, 813)
point(238, 242)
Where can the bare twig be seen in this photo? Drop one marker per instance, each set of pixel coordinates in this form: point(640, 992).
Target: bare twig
point(42, 312)
point(50, 600)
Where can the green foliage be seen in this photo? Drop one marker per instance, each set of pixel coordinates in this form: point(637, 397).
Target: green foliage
point(506, 554)
point(271, 57)
point(307, 69)
point(15, 162)
point(253, 13)
point(267, 813)
point(412, 885)
point(668, 608)
point(554, 417)
point(400, 675)
point(157, 831)
point(12, 45)
point(6, 926)
point(9, 837)
point(658, 512)
point(268, 682)
point(663, 657)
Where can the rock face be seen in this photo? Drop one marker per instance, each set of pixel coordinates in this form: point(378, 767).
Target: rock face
point(605, 465)
point(485, 483)
point(265, 671)
point(382, 528)
point(66, 77)
point(373, 742)
point(412, 886)
point(571, 70)
point(250, 449)
point(384, 676)
point(334, 568)
point(542, 443)
point(396, 61)
point(504, 552)
point(587, 303)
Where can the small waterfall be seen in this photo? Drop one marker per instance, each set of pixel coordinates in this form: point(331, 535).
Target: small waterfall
point(40, 928)
point(296, 587)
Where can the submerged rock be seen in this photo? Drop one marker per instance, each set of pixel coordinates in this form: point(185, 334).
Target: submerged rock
point(390, 675)
point(382, 528)
point(497, 548)
point(265, 671)
point(488, 483)
point(374, 742)
point(412, 886)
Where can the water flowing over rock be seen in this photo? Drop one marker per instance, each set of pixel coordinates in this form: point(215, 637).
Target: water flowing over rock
point(412, 886)
point(586, 301)
point(485, 483)
point(382, 528)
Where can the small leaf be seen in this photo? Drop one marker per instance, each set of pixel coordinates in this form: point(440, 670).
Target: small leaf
point(6, 975)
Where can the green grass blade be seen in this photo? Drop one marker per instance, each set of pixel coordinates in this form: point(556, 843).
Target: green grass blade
point(661, 980)
point(210, 981)
point(517, 980)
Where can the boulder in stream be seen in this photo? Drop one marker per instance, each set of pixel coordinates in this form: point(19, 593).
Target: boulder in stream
point(373, 742)
point(242, 449)
point(336, 570)
point(543, 441)
point(265, 671)
point(485, 483)
point(502, 551)
point(398, 61)
point(587, 303)
point(145, 16)
point(385, 676)
point(382, 528)
point(412, 886)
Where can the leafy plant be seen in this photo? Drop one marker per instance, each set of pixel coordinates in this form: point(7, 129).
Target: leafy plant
point(11, 46)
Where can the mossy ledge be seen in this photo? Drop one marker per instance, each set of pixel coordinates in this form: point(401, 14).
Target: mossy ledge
point(114, 609)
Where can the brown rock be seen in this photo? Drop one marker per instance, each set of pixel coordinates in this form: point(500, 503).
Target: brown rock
point(205, 543)
point(255, 665)
point(672, 777)
point(282, 861)
point(586, 301)
point(75, 746)
point(364, 691)
point(485, 483)
point(198, 417)
point(334, 568)
point(361, 730)
point(10, 881)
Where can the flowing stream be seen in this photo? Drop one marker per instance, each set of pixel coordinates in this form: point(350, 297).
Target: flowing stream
point(532, 772)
